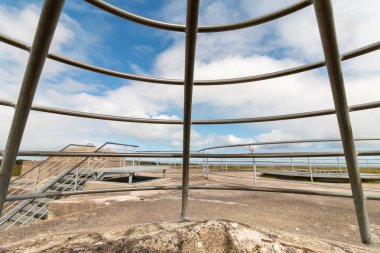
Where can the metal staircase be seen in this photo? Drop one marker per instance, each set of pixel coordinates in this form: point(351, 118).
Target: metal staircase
point(52, 175)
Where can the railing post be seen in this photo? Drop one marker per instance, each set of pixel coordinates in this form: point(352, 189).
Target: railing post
point(36, 179)
point(207, 166)
point(191, 37)
point(130, 178)
point(340, 169)
point(133, 159)
point(325, 20)
point(203, 164)
point(254, 165)
point(291, 162)
point(76, 178)
point(311, 171)
point(47, 23)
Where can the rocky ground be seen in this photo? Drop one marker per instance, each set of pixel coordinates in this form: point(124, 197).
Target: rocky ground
point(207, 236)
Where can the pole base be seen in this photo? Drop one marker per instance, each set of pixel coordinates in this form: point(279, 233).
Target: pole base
point(184, 219)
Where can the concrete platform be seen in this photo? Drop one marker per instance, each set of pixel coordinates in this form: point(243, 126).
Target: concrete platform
point(130, 170)
point(323, 176)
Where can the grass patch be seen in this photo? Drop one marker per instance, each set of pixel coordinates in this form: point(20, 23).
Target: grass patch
point(16, 171)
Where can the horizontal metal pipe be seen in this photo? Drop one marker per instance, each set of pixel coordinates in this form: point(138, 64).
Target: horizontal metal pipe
point(89, 115)
point(114, 73)
point(93, 115)
point(289, 142)
point(121, 144)
point(22, 45)
point(136, 18)
point(201, 29)
point(286, 72)
point(194, 155)
point(349, 55)
point(153, 188)
point(256, 21)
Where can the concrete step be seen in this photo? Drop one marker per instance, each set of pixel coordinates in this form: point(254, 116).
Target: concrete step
point(41, 202)
point(62, 187)
point(21, 219)
point(37, 210)
point(71, 180)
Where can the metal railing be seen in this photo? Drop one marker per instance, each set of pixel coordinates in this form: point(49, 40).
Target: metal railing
point(54, 174)
point(323, 11)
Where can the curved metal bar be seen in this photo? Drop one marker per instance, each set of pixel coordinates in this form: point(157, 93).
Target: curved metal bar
point(359, 107)
point(93, 115)
point(135, 18)
point(289, 142)
point(121, 144)
point(256, 21)
point(346, 56)
point(152, 188)
point(301, 115)
point(113, 72)
point(299, 69)
point(202, 29)
point(22, 45)
point(194, 155)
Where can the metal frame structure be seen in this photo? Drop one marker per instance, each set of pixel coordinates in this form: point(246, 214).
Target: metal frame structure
point(324, 13)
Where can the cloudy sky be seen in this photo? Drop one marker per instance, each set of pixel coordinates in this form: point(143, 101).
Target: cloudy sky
point(87, 34)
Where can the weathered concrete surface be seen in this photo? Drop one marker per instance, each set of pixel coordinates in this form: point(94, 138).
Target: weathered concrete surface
point(94, 185)
point(208, 236)
point(76, 204)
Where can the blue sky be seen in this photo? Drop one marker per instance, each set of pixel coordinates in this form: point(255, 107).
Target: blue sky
point(87, 34)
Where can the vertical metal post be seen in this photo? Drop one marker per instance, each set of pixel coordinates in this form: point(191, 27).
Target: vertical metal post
point(203, 164)
point(340, 169)
point(130, 177)
point(311, 171)
point(47, 23)
point(291, 162)
point(254, 171)
point(325, 19)
point(191, 38)
point(254, 165)
point(36, 179)
point(76, 178)
point(34, 189)
point(133, 159)
point(207, 166)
